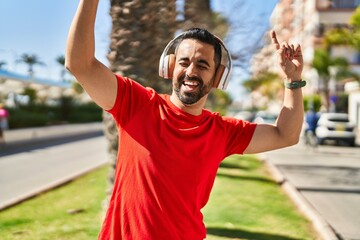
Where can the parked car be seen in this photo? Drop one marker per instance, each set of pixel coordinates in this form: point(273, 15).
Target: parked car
point(265, 117)
point(245, 115)
point(335, 126)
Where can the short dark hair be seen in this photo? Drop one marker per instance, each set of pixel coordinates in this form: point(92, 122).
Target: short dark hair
point(204, 36)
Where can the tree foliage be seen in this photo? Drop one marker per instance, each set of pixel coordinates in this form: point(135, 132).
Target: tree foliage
point(267, 83)
point(61, 61)
point(323, 63)
point(349, 36)
point(30, 60)
point(2, 63)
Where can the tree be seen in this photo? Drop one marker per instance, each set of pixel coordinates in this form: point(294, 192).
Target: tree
point(140, 32)
point(268, 84)
point(346, 36)
point(2, 63)
point(30, 60)
point(31, 94)
point(61, 60)
point(218, 101)
point(349, 36)
point(323, 63)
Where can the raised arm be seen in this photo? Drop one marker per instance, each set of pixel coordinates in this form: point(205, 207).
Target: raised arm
point(97, 80)
point(287, 129)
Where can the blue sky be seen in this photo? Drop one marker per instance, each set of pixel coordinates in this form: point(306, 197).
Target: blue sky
point(40, 27)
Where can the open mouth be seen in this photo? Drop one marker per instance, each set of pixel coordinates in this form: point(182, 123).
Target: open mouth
point(190, 85)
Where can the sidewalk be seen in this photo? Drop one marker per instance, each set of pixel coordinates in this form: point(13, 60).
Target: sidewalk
point(29, 136)
point(324, 184)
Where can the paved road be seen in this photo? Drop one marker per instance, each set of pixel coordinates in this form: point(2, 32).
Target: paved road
point(329, 180)
point(25, 173)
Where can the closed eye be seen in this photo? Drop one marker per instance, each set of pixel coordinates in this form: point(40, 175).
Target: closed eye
point(202, 67)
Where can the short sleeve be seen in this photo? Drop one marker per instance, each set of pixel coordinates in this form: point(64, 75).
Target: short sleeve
point(131, 97)
point(239, 134)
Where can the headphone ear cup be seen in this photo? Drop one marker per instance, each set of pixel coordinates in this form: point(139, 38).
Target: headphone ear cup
point(171, 65)
point(168, 66)
point(218, 75)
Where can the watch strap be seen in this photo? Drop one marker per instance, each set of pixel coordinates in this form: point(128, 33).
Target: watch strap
point(295, 84)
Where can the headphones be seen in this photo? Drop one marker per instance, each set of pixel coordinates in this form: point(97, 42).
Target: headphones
point(222, 74)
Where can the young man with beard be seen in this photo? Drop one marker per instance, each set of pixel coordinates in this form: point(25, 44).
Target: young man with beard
point(170, 147)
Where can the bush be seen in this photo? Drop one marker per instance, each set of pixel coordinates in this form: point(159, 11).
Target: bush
point(312, 101)
point(37, 115)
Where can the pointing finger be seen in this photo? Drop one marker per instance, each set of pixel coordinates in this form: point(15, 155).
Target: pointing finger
point(274, 40)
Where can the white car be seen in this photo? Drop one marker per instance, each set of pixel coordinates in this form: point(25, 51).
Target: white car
point(335, 126)
point(265, 117)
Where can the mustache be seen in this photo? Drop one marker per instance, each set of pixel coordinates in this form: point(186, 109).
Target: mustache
point(187, 77)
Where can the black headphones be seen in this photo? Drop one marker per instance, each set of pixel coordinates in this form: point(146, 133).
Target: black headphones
point(223, 72)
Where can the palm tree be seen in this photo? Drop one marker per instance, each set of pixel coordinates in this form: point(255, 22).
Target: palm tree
point(2, 63)
point(323, 63)
point(61, 60)
point(199, 14)
point(30, 60)
point(140, 31)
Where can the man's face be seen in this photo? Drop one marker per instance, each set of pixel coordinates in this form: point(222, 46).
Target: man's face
point(194, 70)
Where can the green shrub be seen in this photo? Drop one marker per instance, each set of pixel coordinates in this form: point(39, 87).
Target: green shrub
point(37, 115)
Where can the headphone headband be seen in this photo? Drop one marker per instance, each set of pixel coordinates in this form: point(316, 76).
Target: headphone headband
point(223, 72)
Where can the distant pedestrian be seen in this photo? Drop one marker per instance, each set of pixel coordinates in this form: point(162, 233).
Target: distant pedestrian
point(4, 116)
point(311, 119)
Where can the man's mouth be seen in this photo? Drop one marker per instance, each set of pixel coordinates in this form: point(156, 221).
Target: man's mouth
point(190, 85)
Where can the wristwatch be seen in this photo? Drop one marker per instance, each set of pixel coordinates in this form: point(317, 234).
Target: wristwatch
point(295, 84)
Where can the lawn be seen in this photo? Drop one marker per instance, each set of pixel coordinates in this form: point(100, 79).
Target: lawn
point(245, 204)
point(72, 211)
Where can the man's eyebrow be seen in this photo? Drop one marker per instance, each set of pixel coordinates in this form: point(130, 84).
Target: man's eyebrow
point(202, 61)
point(184, 59)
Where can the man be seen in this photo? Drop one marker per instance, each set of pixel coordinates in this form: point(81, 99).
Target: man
point(311, 119)
point(170, 147)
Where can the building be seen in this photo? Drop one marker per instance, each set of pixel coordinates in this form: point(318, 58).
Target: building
point(305, 22)
point(13, 84)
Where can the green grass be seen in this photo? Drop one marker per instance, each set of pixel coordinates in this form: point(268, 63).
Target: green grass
point(47, 217)
point(245, 204)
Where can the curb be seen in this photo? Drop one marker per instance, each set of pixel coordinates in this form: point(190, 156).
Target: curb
point(324, 230)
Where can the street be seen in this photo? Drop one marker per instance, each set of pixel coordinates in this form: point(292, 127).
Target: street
point(329, 179)
point(24, 174)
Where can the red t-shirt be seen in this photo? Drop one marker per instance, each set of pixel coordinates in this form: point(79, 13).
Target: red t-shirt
point(167, 163)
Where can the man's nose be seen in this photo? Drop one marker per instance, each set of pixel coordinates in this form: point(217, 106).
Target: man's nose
point(191, 70)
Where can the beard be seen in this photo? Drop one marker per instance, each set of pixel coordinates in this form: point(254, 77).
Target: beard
point(191, 97)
